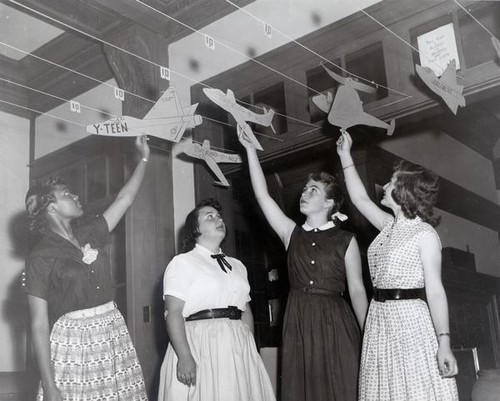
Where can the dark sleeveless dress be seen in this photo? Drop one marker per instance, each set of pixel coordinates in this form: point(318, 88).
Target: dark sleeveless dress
point(321, 337)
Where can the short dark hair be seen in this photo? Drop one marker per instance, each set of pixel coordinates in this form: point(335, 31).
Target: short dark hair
point(333, 190)
point(38, 198)
point(415, 190)
point(191, 228)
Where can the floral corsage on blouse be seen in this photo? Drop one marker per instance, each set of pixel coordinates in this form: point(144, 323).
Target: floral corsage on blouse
point(89, 254)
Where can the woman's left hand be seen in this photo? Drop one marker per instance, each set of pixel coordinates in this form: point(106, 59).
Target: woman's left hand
point(446, 362)
point(141, 143)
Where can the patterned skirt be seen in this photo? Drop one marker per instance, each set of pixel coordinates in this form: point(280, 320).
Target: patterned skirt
point(228, 366)
point(93, 357)
point(398, 361)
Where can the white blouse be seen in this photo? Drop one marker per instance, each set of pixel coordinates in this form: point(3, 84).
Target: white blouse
point(197, 279)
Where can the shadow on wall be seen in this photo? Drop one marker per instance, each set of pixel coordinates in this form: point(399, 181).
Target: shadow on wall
point(15, 311)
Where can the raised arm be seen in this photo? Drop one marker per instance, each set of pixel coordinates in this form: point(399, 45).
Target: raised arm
point(40, 332)
point(280, 223)
point(186, 366)
point(126, 196)
point(355, 187)
point(355, 284)
point(430, 254)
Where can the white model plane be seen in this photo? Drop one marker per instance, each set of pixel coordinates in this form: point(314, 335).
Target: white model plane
point(167, 119)
point(346, 110)
point(445, 86)
point(211, 157)
point(241, 114)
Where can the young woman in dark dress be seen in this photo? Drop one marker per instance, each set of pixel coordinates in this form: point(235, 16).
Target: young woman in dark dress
point(81, 342)
point(321, 337)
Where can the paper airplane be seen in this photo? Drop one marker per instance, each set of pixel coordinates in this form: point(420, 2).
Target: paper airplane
point(167, 119)
point(346, 110)
point(445, 86)
point(211, 157)
point(496, 45)
point(241, 114)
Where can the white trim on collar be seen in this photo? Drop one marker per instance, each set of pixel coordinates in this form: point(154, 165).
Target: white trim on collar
point(324, 227)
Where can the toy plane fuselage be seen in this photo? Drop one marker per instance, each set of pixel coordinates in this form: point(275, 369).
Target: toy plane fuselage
point(211, 157)
point(241, 114)
point(346, 109)
point(167, 119)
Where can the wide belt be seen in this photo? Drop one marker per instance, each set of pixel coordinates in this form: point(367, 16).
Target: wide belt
point(394, 294)
point(318, 291)
point(231, 312)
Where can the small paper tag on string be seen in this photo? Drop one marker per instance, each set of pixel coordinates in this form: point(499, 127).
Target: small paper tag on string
point(209, 42)
point(165, 73)
point(268, 30)
point(120, 94)
point(75, 106)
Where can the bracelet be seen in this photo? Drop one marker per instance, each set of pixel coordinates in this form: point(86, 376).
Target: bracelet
point(346, 167)
point(443, 334)
point(144, 160)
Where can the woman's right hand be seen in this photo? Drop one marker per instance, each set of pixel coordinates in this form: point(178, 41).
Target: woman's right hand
point(344, 144)
point(52, 393)
point(186, 371)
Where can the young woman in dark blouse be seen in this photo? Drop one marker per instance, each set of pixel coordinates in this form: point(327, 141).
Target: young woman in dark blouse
point(81, 342)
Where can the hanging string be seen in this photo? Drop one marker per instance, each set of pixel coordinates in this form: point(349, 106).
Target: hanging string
point(149, 61)
point(474, 18)
point(397, 36)
point(84, 126)
point(57, 97)
point(319, 55)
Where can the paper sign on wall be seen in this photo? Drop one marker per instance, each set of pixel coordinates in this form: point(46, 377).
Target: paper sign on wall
point(437, 48)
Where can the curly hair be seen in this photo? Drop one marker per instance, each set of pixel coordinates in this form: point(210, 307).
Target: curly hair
point(332, 188)
point(191, 227)
point(38, 198)
point(415, 190)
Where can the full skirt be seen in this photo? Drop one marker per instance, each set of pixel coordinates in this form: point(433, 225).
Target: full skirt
point(228, 366)
point(398, 361)
point(93, 359)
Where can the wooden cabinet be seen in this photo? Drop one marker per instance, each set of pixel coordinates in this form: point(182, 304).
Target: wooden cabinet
point(142, 244)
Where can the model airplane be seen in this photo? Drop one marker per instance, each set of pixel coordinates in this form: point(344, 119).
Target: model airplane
point(211, 157)
point(496, 45)
point(346, 110)
point(241, 114)
point(445, 86)
point(167, 119)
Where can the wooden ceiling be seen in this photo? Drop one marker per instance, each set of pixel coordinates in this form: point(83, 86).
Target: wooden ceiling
point(87, 24)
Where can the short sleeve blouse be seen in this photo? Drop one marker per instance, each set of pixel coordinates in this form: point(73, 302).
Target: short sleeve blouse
point(198, 280)
point(56, 272)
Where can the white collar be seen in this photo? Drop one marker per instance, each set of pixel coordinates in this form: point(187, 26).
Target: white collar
point(324, 227)
point(204, 250)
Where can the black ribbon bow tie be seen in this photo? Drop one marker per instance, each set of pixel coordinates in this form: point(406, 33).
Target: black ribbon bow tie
point(221, 260)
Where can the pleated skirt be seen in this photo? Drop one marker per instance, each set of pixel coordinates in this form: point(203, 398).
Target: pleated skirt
point(228, 366)
point(398, 361)
point(93, 357)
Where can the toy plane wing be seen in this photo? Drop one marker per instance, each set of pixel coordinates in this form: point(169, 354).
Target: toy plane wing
point(166, 119)
point(211, 158)
point(445, 87)
point(323, 102)
point(349, 82)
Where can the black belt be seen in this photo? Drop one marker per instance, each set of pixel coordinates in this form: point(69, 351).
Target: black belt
point(319, 291)
point(393, 294)
point(231, 312)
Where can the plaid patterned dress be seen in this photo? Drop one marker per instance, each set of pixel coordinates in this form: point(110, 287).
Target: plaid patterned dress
point(398, 361)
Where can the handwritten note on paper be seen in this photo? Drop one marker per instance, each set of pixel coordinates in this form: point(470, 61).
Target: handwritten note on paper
point(437, 48)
